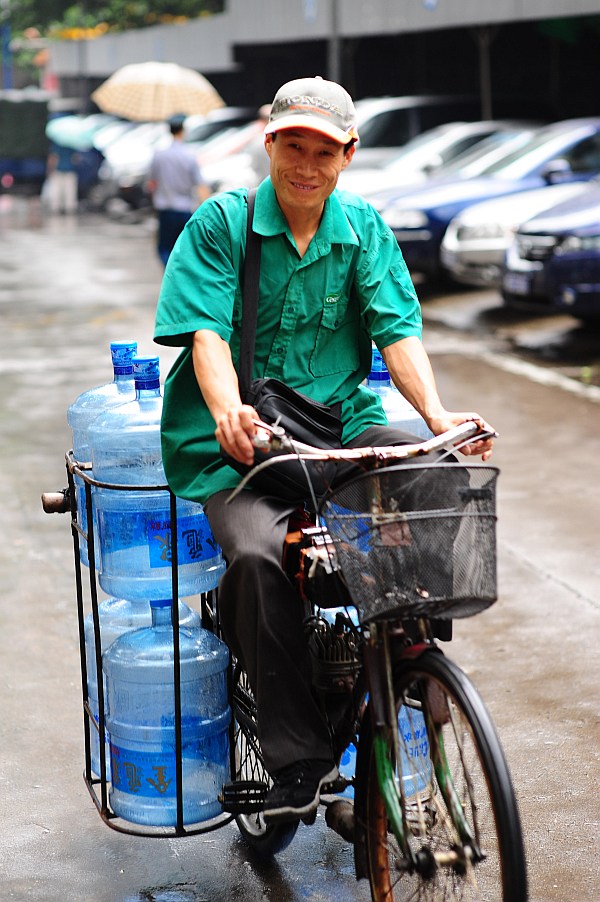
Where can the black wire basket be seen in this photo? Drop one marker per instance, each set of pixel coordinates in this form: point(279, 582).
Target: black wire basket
point(416, 540)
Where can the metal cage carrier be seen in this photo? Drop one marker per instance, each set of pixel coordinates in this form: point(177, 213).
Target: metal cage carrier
point(416, 540)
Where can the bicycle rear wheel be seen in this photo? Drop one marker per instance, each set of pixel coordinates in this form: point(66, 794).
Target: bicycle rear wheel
point(265, 839)
point(474, 853)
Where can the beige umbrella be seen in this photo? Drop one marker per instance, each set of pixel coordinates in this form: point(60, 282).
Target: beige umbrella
point(149, 92)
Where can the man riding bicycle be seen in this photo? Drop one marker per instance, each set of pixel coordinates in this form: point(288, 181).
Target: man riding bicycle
point(332, 281)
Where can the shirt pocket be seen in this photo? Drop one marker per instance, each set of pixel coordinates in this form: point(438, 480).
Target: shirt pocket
point(336, 348)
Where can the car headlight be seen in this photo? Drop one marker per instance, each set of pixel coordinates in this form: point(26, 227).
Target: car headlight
point(401, 218)
point(574, 244)
point(484, 231)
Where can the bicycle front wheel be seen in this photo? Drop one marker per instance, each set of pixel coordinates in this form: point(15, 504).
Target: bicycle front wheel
point(460, 815)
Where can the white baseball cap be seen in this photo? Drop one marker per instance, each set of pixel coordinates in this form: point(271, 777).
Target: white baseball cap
point(314, 103)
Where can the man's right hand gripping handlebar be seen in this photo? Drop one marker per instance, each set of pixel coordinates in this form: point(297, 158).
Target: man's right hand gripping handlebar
point(236, 431)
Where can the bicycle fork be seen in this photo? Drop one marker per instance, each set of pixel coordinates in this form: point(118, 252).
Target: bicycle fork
point(384, 718)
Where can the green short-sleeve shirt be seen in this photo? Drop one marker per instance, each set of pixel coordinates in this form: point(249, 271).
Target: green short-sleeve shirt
point(317, 316)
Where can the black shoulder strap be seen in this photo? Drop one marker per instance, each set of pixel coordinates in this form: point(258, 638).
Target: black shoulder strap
point(249, 297)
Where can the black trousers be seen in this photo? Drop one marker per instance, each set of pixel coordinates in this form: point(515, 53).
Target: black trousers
point(261, 616)
point(170, 226)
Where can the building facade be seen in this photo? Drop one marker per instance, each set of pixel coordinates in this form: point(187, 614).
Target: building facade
point(545, 50)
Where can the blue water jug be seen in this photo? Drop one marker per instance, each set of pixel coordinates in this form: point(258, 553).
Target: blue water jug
point(91, 404)
point(399, 412)
point(134, 527)
point(117, 616)
point(415, 762)
point(140, 718)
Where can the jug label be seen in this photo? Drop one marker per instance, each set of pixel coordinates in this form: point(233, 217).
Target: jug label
point(195, 541)
point(124, 531)
point(143, 773)
point(415, 762)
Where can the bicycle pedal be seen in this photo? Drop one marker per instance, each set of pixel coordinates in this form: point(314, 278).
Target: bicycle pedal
point(336, 786)
point(243, 796)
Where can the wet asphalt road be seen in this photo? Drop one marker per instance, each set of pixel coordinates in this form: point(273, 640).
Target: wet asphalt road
point(67, 288)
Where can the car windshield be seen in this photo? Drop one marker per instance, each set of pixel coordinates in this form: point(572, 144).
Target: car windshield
point(544, 145)
point(488, 153)
point(412, 152)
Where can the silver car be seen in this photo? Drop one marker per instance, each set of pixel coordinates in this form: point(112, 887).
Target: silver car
point(476, 240)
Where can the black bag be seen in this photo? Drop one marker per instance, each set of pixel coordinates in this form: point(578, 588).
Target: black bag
point(275, 402)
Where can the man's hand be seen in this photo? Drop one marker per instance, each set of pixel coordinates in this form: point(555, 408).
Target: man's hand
point(479, 446)
point(235, 430)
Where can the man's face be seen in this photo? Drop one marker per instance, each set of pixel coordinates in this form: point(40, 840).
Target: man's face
point(305, 166)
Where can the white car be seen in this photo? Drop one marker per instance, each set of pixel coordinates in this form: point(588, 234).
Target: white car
point(476, 240)
point(385, 124)
point(420, 158)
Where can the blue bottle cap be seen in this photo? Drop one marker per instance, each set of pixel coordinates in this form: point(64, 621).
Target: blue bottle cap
point(146, 372)
point(160, 603)
point(122, 353)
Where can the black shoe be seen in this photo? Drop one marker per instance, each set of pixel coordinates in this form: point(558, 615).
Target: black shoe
point(296, 790)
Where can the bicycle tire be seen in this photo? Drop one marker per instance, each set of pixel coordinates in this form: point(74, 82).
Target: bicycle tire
point(481, 778)
point(265, 839)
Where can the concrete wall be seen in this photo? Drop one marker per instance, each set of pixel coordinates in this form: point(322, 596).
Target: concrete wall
point(208, 44)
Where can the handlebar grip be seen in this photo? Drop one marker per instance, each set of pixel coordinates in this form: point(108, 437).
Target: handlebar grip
point(56, 502)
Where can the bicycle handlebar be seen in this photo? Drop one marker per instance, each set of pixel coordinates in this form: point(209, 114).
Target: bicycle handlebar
point(272, 438)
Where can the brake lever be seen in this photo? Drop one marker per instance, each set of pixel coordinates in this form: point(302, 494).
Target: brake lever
point(270, 437)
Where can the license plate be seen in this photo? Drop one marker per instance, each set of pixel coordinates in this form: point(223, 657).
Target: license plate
point(517, 283)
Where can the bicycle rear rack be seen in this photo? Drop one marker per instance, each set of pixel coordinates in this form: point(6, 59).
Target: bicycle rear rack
point(66, 501)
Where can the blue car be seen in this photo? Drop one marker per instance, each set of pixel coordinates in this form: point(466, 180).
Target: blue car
point(564, 151)
point(554, 259)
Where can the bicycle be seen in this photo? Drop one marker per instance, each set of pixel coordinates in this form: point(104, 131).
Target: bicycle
point(434, 814)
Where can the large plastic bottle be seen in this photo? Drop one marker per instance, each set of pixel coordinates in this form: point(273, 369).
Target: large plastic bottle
point(117, 616)
point(140, 715)
point(134, 527)
point(88, 406)
point(415, 762)
point(398, 410)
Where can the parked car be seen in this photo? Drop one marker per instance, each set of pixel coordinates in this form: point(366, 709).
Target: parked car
point(554, 259)
point(386, 123)
point(421, 158)
point(201, 128)
point(475, 243)
point(564, 151)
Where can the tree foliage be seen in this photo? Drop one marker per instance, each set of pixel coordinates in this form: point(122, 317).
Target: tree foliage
point(56, 16)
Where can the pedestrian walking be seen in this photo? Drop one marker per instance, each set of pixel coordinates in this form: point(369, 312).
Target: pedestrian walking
point(177, 188)
point(62, 181)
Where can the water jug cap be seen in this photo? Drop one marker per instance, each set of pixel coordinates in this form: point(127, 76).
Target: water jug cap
point(146, 372)
point(160, 603)
point(122, 353)
point(379, 371)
